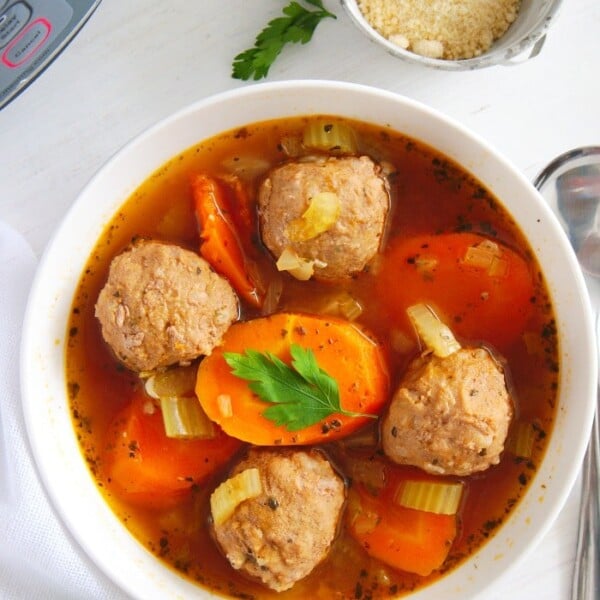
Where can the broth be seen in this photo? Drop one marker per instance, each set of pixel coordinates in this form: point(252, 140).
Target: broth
point(430, 195)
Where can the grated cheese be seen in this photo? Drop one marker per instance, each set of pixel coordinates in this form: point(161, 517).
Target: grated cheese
point(449, 29)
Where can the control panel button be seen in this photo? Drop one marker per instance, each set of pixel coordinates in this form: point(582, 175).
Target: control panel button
point(27, 43)
point(12, 20)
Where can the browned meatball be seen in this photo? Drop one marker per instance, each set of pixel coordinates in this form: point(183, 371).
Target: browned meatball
point(355, 237)
point(450, 415)
point(280, 536)
point(163, 305)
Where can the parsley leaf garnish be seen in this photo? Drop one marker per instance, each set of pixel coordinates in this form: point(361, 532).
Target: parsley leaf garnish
point(301, 394)
point(297, 26)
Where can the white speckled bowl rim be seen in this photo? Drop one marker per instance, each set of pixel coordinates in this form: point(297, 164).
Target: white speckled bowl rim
point(523, 40)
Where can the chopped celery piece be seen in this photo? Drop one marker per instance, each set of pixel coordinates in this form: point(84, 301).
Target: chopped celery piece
point(183, 417)
point(522, 439)
point(232, 492)
point(430, 496)
point(322, 213)
point(434, 334)
point(177, 381)
point(330, 136)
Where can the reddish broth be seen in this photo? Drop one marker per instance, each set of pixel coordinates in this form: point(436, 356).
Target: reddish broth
point(430, 195)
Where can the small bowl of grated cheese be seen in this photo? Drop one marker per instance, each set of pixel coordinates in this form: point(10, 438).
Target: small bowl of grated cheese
point(456, 34)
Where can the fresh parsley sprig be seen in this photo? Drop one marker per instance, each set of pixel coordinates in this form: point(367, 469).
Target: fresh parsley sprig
point(298, 25)
point(301, 394)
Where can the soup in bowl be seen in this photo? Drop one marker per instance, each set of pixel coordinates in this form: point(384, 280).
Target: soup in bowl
point(308, 339)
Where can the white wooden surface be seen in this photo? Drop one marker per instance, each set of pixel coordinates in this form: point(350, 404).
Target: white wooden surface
point(137, 61)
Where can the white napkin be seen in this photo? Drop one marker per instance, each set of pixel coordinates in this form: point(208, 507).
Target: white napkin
point(38, 558)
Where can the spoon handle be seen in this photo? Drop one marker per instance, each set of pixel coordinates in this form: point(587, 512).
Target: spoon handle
point(586, 576)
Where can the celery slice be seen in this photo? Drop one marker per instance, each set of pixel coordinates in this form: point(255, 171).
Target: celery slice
point(177, 381)
point(184, 418)
point(232, 492)
point(522, 439)
point(430, 496)
point(435, 335)
point(330, 136)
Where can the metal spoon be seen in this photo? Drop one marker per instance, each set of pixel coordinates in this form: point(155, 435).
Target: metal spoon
point(577, 200)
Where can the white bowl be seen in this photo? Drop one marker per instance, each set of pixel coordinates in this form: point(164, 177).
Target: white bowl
point(55, 448)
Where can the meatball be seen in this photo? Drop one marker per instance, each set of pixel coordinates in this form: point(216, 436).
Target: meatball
point(354, 238)
point(281, 535)
point(450, 415)
point(163, 305)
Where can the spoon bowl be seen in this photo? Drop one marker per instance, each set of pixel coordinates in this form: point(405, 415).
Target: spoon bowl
point(575, 198)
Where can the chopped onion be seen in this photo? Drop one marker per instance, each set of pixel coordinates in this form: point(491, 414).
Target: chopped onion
point(430, 496)
point(498, 268)
point(401, 342)
point(330, 136)
point(487, 255)
point(320, 216)
point(426, 264)
point(350, 308)
point(173, 220)
point(184, 418)
point(224, 405)
point(435, 335)
point(246, 167)
point(273, 296)
point(342, 304)
point(232, 492)
point(300, 268)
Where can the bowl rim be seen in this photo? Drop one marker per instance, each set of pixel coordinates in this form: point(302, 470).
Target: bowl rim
point(43, 356)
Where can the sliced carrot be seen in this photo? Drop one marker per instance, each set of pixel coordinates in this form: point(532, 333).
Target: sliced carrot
point(151, 469)
point(477, 302)
point(410, 540)
point(342, 349)
point(221, 242)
